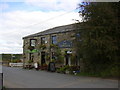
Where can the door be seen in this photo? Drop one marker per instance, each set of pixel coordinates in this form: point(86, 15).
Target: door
point(66, 59)
point(42, 58)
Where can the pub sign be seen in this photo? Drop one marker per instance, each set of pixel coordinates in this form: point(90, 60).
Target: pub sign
point(65, 44)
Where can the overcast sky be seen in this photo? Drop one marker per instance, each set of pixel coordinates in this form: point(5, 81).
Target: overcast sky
point(19, 19)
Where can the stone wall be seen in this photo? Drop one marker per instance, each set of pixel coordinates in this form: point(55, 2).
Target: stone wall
point(37, 55)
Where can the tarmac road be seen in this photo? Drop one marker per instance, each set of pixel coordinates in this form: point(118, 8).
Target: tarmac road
point(23, 78)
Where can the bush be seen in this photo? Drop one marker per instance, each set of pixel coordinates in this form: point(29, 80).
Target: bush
point(42, 46)
point(111, 71)
point(30, 61)
point(60, 59)
point(88, 74)
point(73, 68)
point(67, 67)
point(53, 46)
point(63, 69)
point(115, 71)
point(14, 61)
point(58, 70)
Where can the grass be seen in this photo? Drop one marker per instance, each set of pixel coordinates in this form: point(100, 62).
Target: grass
point(88, 74)
point(101, 75)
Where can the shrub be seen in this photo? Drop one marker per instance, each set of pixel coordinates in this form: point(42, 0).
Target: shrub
point(111, 71)
point(74, 68)
point(30, 61)
point(42, 46)
point(53, 60)
point(14, 61)
point(67, 67)
point(115, 71)
point(47, 57)
point(63, 69)
point(53, 46)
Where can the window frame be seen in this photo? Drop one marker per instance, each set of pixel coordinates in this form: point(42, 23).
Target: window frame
point(31, 43)
point(43, 40)
point(54, 40)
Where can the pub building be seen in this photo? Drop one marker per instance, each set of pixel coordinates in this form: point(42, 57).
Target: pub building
point(52, 45)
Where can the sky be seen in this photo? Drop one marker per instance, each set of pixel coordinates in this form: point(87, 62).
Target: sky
point(19, 18)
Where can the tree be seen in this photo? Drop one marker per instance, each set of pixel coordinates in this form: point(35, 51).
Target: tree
point(100, 37)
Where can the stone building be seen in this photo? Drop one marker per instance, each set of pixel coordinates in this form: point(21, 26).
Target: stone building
point(55, 44)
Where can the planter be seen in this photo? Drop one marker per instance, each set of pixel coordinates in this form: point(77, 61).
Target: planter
point(28, 67)
point(67, 72)
point(43, 67)
point(16, 64)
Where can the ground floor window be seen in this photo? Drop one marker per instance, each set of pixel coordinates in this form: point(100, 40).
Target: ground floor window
point(31, 56)
point(53, 56)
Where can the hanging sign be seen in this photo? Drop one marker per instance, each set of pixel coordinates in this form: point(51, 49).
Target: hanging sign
point(65, 44)
point(33, 51)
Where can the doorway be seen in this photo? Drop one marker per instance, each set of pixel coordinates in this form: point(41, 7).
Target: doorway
point(67, 59)
point(42, 58)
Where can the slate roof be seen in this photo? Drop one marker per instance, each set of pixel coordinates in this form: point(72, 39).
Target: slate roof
point(59, 29)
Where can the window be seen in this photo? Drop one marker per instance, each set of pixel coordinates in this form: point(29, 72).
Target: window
point(31, 56)
point(42, 40)
point(78, 35)
point(54, 40)
point(32, 42)
point(53, 56)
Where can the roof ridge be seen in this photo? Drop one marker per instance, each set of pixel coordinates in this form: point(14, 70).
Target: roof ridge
point(52, 30)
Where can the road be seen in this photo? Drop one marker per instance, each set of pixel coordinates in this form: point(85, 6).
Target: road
point(22, 78)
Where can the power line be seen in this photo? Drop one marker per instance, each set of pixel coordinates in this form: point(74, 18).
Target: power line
point(49, 19)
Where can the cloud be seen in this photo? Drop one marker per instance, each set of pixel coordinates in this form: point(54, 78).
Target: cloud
point(17, 24)
point(3, 6)
point(54, 4)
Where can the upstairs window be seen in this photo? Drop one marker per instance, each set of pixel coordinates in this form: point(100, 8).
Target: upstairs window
point(54, 40)
point(78, 35)
point(42, 40)
point(32, 42)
